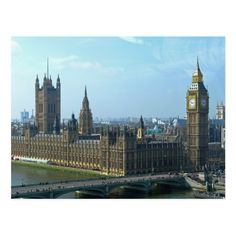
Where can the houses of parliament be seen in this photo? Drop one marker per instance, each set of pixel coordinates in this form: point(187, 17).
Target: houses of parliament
point(114, 150)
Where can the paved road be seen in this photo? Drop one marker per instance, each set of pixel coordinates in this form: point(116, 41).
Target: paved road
point(18, 190)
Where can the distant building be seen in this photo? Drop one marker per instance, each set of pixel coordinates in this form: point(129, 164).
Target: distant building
point(180, 123)
point(155, 131)
point(220, 111)
point(215, 130)
point(223, 137)
point(216, 157)
point(24, 116)
point(220, 115)
point(32, 118)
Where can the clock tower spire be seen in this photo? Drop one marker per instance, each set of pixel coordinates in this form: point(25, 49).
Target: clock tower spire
point(197, 74)
point(197, 106)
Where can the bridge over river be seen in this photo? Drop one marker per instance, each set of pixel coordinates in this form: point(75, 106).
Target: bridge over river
point(100, 187)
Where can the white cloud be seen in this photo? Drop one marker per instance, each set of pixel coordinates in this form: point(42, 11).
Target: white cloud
point(74, 62)
point(63, 62)
point(15, 47)
point(179, 56)
point(132, 40)
point(85, 65)
point(106, 70)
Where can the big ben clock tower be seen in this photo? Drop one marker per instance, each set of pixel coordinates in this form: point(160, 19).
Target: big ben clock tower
point(197, 121)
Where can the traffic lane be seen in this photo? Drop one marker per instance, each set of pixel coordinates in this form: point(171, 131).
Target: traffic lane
point(88, 183)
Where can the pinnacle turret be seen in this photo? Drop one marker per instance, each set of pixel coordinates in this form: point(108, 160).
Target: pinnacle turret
point(85, 118)
point(85, 100)
point(141, 123)
point(85, 91)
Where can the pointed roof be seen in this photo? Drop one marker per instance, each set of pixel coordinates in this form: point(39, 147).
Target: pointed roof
point(141, 118)
point(47, 68)
point(37, 79)
point(141, 122)
point(85, 103)
point(197, 74)
point(85, 91)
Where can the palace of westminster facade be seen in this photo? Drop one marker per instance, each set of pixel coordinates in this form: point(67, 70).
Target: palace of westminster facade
point(117, 150)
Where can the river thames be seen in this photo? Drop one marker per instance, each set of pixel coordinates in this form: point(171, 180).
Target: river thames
point(24, 174)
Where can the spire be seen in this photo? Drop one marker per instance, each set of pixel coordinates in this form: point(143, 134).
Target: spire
point(85, 91)
point(58, 81)
point(47, 68)
point(197, 74)
point(85, 100)
point(85, 117)
point(141, 122)
point(37, 81)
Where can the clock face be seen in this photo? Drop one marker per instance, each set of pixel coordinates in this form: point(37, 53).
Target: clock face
point(203, 102)
point(192, 103)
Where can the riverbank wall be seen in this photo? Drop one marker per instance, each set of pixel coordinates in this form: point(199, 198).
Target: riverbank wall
point(88, 173)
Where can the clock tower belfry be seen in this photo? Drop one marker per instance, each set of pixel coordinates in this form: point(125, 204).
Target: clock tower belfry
point(197, 101)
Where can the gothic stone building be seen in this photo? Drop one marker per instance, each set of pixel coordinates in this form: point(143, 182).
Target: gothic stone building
point(115, 151)
point(48, 105)
point(197, 101)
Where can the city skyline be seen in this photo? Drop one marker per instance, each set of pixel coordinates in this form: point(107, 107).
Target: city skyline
point(146, 75)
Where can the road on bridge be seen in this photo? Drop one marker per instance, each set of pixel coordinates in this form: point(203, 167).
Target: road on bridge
point(18, 190)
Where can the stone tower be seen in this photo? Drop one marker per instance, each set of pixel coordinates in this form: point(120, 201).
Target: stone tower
point(118, 151)
point(220, 111)
point(197, 105)
point(85, 117)
point(70, 131)
point(48, 104)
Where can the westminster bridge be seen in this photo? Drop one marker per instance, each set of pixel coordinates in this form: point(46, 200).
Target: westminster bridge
point(99, 187)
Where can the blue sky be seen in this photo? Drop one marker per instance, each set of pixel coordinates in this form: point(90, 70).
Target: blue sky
point(125, 76)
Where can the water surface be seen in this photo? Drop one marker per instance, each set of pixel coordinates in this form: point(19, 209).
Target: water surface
point(22, 174)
